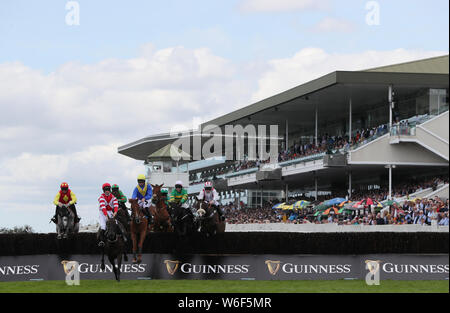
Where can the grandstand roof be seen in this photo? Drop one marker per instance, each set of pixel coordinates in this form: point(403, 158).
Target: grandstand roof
point(333, 91)
point(436, 65)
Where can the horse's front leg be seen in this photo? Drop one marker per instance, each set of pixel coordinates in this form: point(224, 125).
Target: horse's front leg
point(58, 229)
point(102, 266)
point(113, 263)
point(119, 264)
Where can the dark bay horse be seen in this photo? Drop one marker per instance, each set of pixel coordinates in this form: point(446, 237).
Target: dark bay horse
point(65, 222)
point(138, 228)
point(159, 211)
point(182, 220)
point(114, 247)
point(208, 220)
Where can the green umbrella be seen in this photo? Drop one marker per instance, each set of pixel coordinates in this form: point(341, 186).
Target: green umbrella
point(389, 203)
point(321, 207)
point(344, 210)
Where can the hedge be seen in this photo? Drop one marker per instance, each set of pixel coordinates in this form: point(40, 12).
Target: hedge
point(239, 243)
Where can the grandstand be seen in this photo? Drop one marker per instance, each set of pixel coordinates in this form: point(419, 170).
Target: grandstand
point(344, 133)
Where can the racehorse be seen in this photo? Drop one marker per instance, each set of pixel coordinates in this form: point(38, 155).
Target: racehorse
point(138, 227)
point(208, 220)
point(115, 247)
point(161, 217)
point(65, 222)
point(183, 221)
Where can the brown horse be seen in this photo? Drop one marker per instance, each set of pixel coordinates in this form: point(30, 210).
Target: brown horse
point(138, 227)
point(161, 217)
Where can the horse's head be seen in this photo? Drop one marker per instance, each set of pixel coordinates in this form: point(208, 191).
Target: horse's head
point(111, 230)
point(156, 189)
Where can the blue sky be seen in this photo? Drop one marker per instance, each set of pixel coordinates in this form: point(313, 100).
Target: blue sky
point(35, 32)
point(71, 95)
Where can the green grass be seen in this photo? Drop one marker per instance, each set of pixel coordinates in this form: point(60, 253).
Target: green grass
point(221, 286)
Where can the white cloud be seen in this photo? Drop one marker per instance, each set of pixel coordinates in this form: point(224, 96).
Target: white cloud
point(311, 63)
point(282, 5)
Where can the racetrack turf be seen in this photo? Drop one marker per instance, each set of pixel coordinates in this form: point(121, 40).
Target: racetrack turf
point(226, 286)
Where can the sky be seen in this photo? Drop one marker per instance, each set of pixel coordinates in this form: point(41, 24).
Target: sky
point(80, 78)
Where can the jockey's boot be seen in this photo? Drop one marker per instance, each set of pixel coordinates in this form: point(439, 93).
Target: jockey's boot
point(76, 217)
point(149, 215)
point(101, 237)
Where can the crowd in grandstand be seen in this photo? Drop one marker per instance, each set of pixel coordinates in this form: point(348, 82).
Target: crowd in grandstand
point(411, 211)
point(422, 212)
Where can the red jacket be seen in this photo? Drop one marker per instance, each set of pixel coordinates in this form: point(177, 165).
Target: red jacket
point(108, 203)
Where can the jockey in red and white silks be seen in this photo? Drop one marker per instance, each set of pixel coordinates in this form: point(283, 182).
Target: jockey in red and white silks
point(108, 205)
point(209, 194)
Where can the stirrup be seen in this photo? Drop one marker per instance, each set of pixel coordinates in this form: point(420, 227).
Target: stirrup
point(101, 244)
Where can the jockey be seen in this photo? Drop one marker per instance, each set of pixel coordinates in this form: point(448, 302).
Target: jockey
point(121, 198)
point(108, 206)
point(65, 197)
point(143, 192)
point(179, 195)
point(210, 195)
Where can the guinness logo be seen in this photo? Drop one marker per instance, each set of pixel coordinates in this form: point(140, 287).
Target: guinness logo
point(171, 266)
point(273, 266)
point(373, 266)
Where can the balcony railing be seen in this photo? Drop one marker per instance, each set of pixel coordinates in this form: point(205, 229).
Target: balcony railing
point(403, 130)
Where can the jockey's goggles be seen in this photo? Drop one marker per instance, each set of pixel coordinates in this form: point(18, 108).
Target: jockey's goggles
point(178, 186)
point(140, 181)
point(107, 189)
point(64, 189)
point(208, 188)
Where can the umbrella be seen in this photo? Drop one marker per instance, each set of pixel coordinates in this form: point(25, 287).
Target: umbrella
point(349, 205)
point(278, 206)
point(301, 204)
point(344, 210)
point(344, 203)
point(334, 201)
point(363, 203)
point(287, 207)
point(358, 205)
point(327, 211)
point(389, 202)
point(321, 207)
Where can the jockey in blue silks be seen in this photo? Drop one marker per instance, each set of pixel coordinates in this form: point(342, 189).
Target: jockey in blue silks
point(143, 193)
